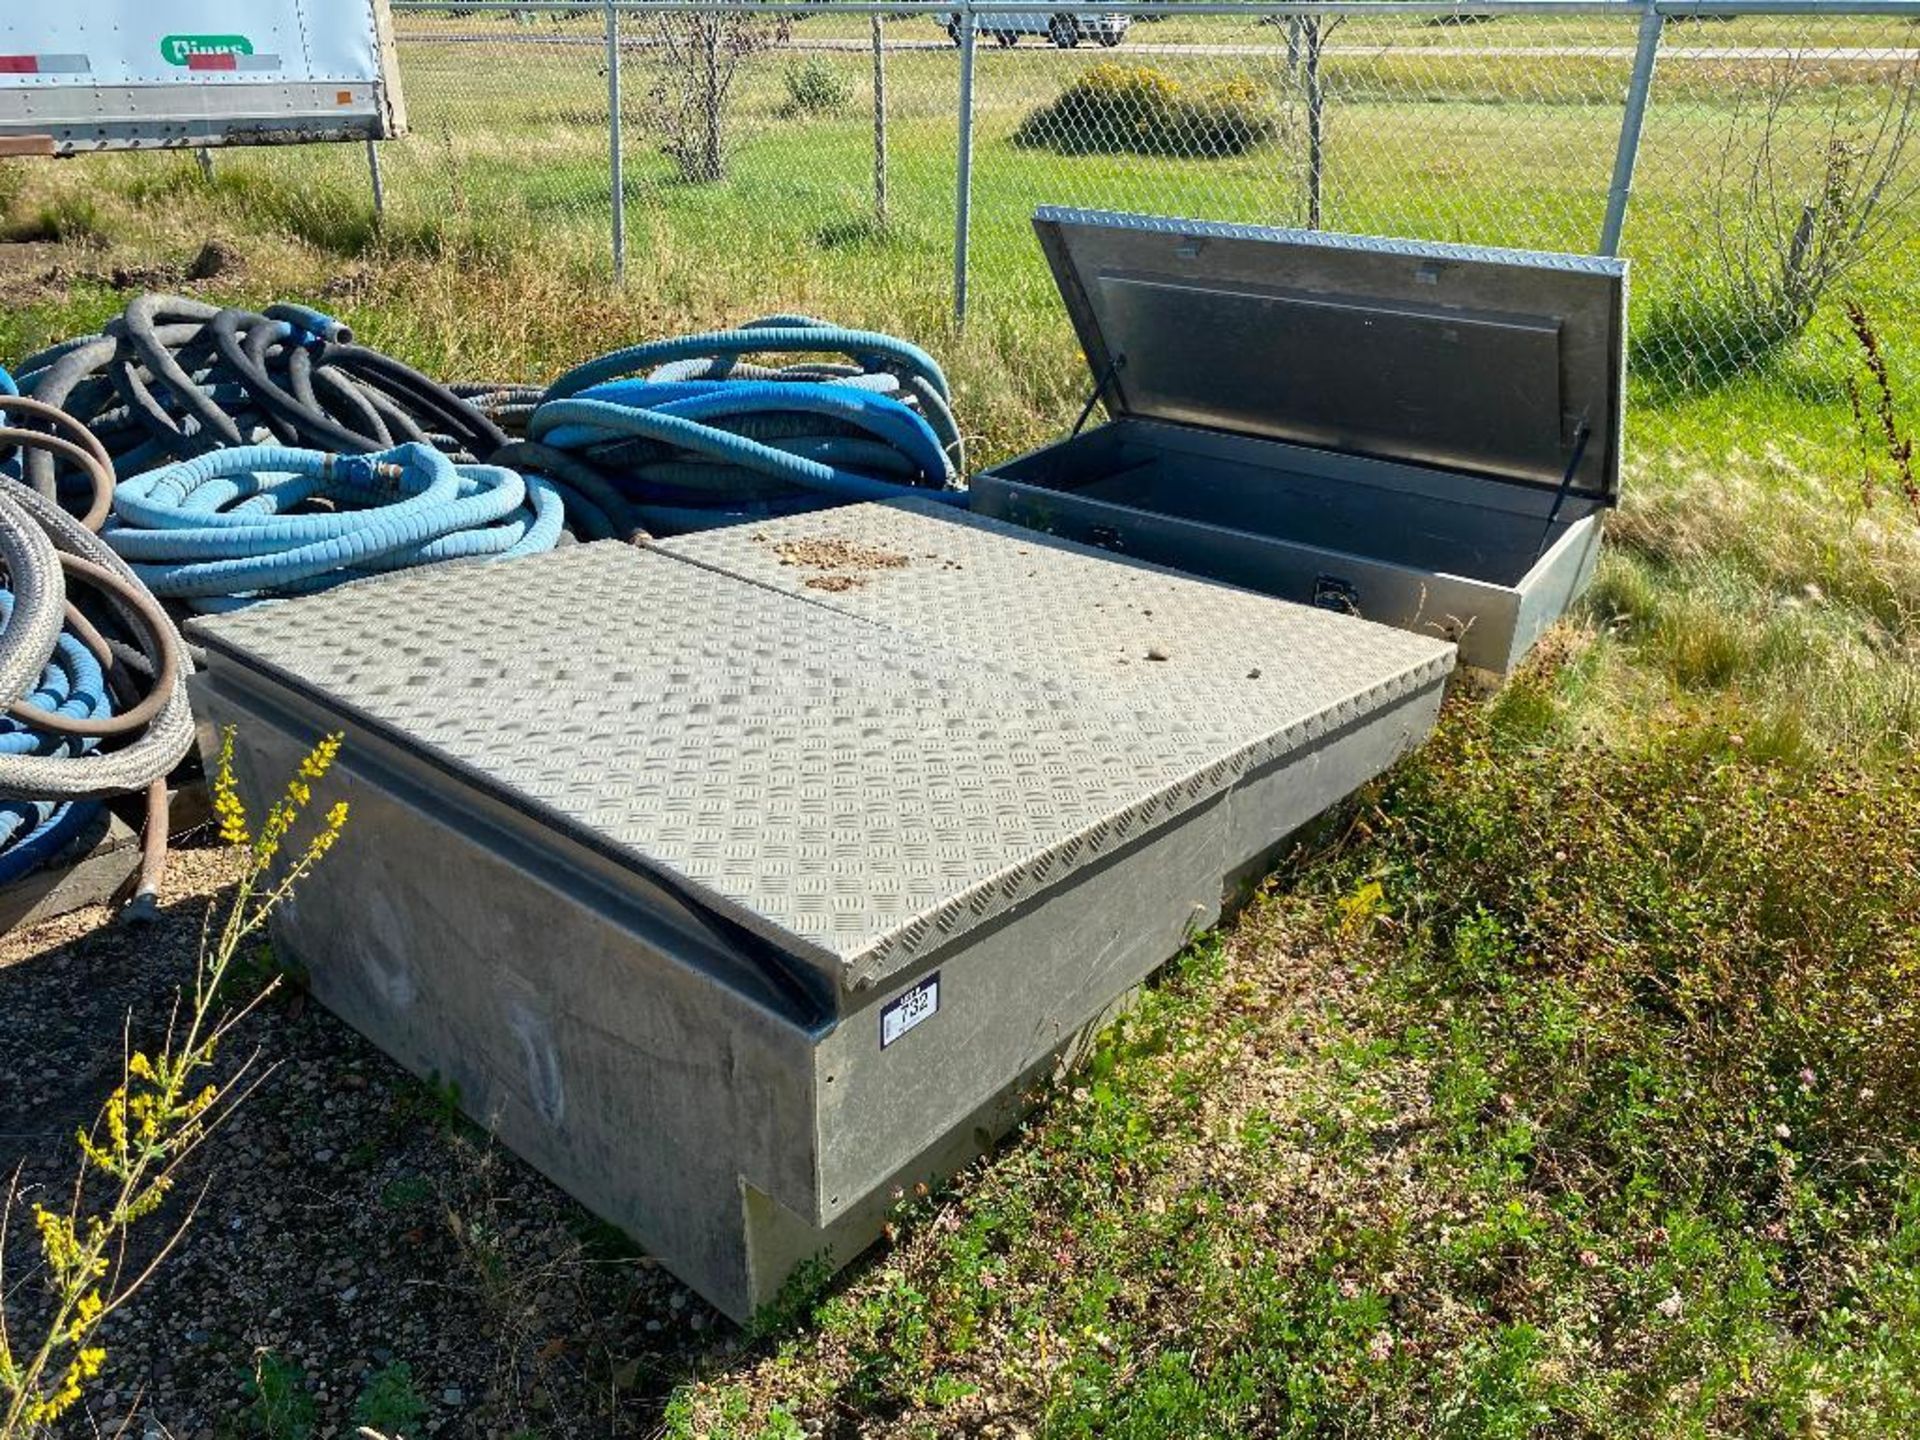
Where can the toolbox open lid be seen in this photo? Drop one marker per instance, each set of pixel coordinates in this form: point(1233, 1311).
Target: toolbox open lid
point(1503, 363)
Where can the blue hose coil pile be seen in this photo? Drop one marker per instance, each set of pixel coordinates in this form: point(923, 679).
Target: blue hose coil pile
point(236, 526)
point(32, 830)
point(686, 433)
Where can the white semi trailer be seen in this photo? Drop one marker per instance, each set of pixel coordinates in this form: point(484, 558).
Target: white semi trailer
point(86, 75)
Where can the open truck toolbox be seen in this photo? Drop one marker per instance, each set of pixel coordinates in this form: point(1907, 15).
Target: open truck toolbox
point(740, 881)
point(1423, 434)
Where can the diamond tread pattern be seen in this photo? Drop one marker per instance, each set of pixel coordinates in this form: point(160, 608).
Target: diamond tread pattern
point(847, 789)
point(1265, 675)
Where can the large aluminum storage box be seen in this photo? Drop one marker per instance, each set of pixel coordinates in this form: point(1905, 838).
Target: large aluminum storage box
point(1426, 435)
point(741, 883)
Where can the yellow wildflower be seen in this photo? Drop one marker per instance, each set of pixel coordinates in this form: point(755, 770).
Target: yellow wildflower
point(226, 795)
point(85, 1365)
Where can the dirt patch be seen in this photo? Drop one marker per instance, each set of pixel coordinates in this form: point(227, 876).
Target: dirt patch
point(833, 584)
point(34, 270)
point(21, 259)
point(832, 553)
point(134, 277)
point(216, 259)
point(355, 283)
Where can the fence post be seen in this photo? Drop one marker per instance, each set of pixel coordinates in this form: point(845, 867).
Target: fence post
point(617, 179)
point(963, 185)
point(1652, 22)
point(879, 122)
point(379, 188)
point(1317, 28)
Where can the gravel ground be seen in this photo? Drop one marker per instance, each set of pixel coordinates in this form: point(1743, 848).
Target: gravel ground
point(358, 1252)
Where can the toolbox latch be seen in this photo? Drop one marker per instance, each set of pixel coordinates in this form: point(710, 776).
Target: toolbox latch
point(1330, 592)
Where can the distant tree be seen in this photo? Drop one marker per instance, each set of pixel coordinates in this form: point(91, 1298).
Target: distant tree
point(689, 99)
point(1798, 203)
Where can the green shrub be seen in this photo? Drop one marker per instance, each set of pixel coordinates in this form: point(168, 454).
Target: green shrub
point(13, 184)
point(1136, 109)
point(814, 87)
point(391, 1403)
point(280, 1407)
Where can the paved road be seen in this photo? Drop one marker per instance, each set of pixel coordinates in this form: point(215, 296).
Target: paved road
point(1834, 55)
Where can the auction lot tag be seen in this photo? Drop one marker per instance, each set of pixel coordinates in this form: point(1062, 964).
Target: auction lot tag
point(909, 1009)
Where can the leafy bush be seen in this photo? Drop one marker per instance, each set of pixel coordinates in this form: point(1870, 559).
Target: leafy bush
point(1136, 109)
point(391, 1403)
point(814, 88)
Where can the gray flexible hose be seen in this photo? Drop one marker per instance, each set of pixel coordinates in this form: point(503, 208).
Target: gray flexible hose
point(113, 772)
point(39, 600)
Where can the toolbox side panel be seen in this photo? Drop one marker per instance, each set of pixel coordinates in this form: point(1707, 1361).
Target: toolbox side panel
point(1273, 802)
point(1015, 993)
point(1551, 587)
point(1009, 995)
point(572, 1031)
point(779, 1242)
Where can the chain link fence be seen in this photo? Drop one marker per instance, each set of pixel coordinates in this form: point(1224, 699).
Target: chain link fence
point(1770, 147)
point(1777, 182)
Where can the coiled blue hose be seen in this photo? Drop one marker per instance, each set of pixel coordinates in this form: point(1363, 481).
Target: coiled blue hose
point(703, 437)
point(261, 521)
point(35, 831)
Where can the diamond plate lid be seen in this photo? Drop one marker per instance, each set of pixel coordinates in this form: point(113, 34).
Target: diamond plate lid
point(1504, 363)
point(852, 782)
point(855, 794)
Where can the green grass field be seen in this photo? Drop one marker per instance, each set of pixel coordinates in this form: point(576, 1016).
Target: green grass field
point(1563, 1084)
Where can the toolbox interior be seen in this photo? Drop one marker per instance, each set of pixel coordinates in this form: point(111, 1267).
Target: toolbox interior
point(1425, 519)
